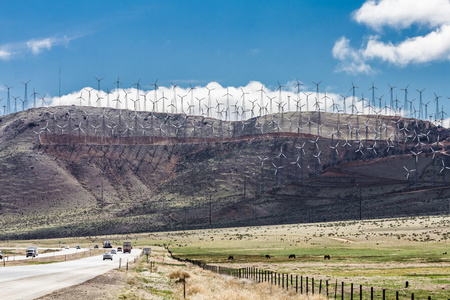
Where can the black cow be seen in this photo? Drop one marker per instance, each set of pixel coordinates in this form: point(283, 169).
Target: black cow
point(291, 256)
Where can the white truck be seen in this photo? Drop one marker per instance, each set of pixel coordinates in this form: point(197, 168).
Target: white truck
point(32, 251)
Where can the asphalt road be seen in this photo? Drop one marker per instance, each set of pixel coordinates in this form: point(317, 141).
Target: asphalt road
point(49, 254)
point(29, 282)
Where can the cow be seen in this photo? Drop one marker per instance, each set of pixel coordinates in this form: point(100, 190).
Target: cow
point(325, 257)
point(267, 256)
point(445, 253)
point(291, 256)
point(230, 257)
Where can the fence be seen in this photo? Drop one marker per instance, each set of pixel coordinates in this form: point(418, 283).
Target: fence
point(304, 284)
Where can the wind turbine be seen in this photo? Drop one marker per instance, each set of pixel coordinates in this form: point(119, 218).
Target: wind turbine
point(373, 88)
point(174, 100)
point(228, 104)
point(182, 107)
point(34, 98)
point(279, 90)
point(25, 98)
point(436, 99)
point(354, 97)
point(405, 105)
point(243, 103)
point(155, 103)
point(307, 100)
point(98, 82)
point(138, 88)
point(420, 103)
point(191, 105)
point(8, 99)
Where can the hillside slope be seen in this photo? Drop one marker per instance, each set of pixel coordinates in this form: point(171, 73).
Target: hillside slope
point(65, 171)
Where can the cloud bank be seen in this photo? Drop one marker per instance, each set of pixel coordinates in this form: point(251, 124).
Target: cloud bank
point(397, 14)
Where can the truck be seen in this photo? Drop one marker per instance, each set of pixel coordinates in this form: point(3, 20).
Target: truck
point(32, 251)
point(107, 244)
point(127, 247)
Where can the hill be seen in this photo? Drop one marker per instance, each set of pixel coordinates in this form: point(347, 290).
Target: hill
point(69, 172)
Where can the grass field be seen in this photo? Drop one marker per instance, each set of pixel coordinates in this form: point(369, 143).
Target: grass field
point(383, 254)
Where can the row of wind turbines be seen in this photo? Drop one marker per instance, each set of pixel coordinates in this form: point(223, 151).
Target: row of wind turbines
point(236, 104)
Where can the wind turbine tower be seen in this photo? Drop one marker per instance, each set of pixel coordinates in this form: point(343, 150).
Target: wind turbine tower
point(25, 98)
point(354, 97)
point(8, 100)
point(420, 103)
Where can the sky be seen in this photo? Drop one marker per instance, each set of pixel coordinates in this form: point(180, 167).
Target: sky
point(235, 44)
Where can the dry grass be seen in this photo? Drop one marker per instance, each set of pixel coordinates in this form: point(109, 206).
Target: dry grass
point(205, 285)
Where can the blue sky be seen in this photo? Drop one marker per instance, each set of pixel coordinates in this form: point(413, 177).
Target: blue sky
point(229, 42)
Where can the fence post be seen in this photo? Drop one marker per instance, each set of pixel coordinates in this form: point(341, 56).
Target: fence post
point(120, 262)
point(412, 296)
point(396, 295)
point(184, 286)
point(351, 291)
point(326, 282)
point(282, 281)
point(335, 290)
point(320, 287)
point(312, 285)
point(127, 264)
point(296, 283)
point(291, 280)
point(342, 291)
point(307, 285)
point(301, 284)
point(371, 293)
point(287, 282)
point(360, 292)
point(384, 294)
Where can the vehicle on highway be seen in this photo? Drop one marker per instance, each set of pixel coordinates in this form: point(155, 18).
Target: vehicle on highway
point(127, 247)
point(119, 249)
point(96, 247)
point(113, 251)
point(1, 255)
point(107, 244)
point(66, 247)
point(32, 251)
point(107, 255)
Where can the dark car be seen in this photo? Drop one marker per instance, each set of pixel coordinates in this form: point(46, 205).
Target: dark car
point(1, 255)
point(96, 247)
point(78, 247)
point(119, 249)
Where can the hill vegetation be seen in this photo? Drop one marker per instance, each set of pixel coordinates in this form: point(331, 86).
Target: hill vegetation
point(69, 172)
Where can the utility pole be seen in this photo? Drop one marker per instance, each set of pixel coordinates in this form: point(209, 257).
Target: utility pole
point(210, 211)
point(360, 204)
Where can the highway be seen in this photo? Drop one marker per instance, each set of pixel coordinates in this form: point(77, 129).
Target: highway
point(29, 282)
point(58, 251)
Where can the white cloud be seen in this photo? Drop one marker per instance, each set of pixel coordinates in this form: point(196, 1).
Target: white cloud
point(352, 61)
point(402, 14)
point(218, 94)
point(36, 46)
point(5, 54)
point(399, 14)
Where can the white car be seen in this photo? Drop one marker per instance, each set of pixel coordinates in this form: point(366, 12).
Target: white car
point(107, 255)
point(66, 247)
point(113, 251)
